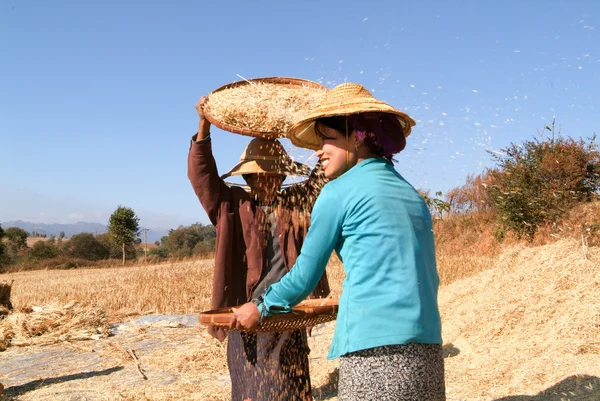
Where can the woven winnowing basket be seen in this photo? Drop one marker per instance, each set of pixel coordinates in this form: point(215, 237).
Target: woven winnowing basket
point(308, 313)
point(282, 82)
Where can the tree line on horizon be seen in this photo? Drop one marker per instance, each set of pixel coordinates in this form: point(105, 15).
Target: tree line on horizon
point(122, 242)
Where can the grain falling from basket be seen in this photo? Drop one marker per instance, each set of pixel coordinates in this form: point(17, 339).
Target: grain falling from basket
point(263, 107)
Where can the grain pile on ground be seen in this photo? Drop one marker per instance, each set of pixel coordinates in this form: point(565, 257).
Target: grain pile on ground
point(532, 323)
point(263, 107)
point(52, 323)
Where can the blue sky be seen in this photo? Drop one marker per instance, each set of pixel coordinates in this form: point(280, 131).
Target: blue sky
point(97, 98)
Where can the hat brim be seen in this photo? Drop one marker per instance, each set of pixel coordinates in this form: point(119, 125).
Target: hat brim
point(268, 167)
point(303, 134)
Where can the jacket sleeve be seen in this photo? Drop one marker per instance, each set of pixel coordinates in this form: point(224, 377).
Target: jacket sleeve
point(204, 177)
point(303, 277)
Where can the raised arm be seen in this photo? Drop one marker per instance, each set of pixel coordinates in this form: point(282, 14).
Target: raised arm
point(202, 169)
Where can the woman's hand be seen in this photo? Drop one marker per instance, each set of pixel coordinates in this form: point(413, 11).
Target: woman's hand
point(203, 124)
point(245, 317)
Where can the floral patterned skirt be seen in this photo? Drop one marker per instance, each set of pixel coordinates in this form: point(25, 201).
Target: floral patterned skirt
point(407, 372)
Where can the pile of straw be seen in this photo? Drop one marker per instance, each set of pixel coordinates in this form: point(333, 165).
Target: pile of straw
point(525, 326)
point(263, 107)
point(51, 324)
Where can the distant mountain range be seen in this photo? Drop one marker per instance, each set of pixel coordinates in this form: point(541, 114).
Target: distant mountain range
point(76, 228)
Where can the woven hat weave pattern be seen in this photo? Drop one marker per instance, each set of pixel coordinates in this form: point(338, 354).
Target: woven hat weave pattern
point(343, 100)
point(266, 156)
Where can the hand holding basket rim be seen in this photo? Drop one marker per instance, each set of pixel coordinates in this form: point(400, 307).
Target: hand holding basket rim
point(246, 317)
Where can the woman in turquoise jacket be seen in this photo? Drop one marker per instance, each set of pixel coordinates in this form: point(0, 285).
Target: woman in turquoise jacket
point(388, 329)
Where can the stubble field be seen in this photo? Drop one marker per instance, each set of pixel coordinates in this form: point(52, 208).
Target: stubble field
point(522, 326)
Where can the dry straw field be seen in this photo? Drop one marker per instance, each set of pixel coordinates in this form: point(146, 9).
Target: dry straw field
point(523, 325)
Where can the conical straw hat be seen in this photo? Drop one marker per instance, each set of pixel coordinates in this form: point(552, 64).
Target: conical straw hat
point(343, 100)
point(266, 156)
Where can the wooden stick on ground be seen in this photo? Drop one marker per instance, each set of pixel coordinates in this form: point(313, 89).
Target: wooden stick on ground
point(137, 363)
point(130, 354)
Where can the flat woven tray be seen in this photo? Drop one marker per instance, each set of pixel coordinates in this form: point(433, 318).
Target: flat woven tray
point(308, 313)
point(267, 114)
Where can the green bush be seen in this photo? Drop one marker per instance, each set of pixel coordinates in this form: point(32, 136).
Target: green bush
point(540, 180)
point(16, 240)
point(160, 252)
point(204, 248)
point(56, 263)
point(182, 241)
point(86, 246)
point(43, 250)
point(436, 205)
point(114, 250)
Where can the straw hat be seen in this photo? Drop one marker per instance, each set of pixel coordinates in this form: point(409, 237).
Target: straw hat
point(266, 156)
point(343, 100)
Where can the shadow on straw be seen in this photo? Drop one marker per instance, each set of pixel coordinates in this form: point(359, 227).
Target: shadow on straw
point(573, 388)
point(36, 384)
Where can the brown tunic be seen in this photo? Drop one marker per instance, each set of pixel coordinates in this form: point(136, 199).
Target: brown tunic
point(240, 241)
point(263, 366)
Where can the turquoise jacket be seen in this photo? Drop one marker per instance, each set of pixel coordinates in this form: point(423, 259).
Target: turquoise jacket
point(381, 229)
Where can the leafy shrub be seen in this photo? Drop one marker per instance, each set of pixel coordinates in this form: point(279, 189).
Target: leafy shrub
point(182, 241)
point(86, 246)
point(437, 206)
point(540, 180)
point(115, 251)
point(158, 252)
point(204, 248)
point(43, 250)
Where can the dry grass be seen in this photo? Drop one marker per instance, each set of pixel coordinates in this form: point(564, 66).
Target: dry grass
point(50, 324)
point(200, 354)
point(33, 240)
point(465, 245)
point(529, 323)
point(263, 107)
point(182, 287)
point(525, 325)
point(581, 223)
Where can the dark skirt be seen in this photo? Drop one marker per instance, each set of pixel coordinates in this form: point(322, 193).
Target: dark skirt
point(410, 372)
point(269, 366)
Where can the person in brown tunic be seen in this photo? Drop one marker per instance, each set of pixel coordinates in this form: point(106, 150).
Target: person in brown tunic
point(259, 236)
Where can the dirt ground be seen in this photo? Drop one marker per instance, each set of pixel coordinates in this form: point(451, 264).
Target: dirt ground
point(165, 348)
point(171, 361)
